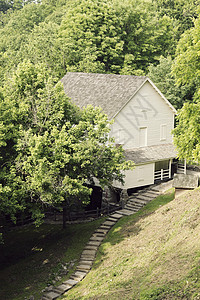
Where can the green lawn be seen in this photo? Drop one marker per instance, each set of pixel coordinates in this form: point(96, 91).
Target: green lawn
point(32, 257)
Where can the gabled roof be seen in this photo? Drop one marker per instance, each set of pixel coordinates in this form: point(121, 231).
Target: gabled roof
point(109, 91)
point(151, 153)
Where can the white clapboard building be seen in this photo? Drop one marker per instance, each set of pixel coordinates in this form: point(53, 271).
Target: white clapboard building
point(143, 120)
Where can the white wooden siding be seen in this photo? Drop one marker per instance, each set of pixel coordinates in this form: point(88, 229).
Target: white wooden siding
point(142, 175)
point(145, 109)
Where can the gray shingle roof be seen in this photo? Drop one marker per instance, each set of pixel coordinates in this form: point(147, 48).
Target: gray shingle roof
point(109, 91)
point(151, 153)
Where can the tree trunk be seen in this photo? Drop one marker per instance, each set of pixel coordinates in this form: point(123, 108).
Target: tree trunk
point(64, 214)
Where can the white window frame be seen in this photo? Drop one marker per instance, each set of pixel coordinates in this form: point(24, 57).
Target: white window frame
point(145, 137)
point(163, 132)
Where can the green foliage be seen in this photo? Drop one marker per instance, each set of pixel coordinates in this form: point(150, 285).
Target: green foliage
point(43, 46)
point(182, 12)
point(90, 36)
point(187, 131)
point(113, 36)
point(92, 29)
point(49, 147)
point(187, 66)
point(162, 77)
point(187, 72)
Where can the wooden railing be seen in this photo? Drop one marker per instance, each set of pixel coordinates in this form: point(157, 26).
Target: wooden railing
point(181, 168)
point(84, 215)
point(162, 174)
point(56, 215)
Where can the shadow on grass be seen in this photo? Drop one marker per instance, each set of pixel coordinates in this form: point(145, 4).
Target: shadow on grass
point(31, 256)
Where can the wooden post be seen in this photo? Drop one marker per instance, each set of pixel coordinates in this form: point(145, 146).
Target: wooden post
point(170, 168)
point(161, 174)
point(185, 166)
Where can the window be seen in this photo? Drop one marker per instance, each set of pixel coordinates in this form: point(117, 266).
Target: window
point(163, 132)
point(120, 138)
point(143, 136)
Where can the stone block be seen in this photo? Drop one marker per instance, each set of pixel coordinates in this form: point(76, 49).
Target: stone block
point(52, 295)
point(89, 252)
point(70, 282)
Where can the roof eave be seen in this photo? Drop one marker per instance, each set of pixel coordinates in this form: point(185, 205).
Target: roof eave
point(158, 91)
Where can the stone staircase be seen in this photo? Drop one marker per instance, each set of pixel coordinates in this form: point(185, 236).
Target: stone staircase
point(134, 203)
point(137, 200)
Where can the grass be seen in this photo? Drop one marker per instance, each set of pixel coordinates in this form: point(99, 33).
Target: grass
point(153, 254)
point(32, 257)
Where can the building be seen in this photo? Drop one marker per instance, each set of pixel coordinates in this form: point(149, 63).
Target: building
point(143, 120)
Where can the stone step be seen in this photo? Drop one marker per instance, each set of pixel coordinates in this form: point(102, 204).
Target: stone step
point(111, 219)
point(116, 215)
point(101, 231)
point(91, 247)
point(151, 195)
point(86, 262)
point(83, 268)
point(138, 201)
point(105, 227)
point(51, 295)
point(97, 238)
point(109, 223)
point(131, 207)
point(87, 257)
point(94, 243)
point(144, 198)
point(100, 234)
point(78, 276)
point(126, 212)
point(89, 252)
point(155, 189)
point(62, 288)
point(70, 282)
point(135, 205)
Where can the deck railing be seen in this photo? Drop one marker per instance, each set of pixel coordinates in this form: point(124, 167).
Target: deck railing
point(162, 174)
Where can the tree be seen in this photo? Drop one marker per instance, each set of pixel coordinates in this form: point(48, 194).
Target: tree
point(186, 68)
point(163, 78)
point(55, 147)
point(187, 71)
point(15, 34)
point(181, 11)
point(111, 34)
point(43, 47)
point(187, 132)
point(94, 29)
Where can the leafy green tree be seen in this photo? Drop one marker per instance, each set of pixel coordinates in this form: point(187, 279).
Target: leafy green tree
point(187, 132)
point(15, 34)
point(181, 12)
point(43, 47)
point(186, 67)
point(187, 71)
point(114, 37)
point(163, 78)
point(93, 28)
point(53, 147)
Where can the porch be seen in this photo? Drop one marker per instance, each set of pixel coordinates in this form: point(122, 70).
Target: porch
point(165, 169)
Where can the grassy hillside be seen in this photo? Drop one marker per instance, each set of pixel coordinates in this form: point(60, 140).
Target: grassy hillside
point(150, 255)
